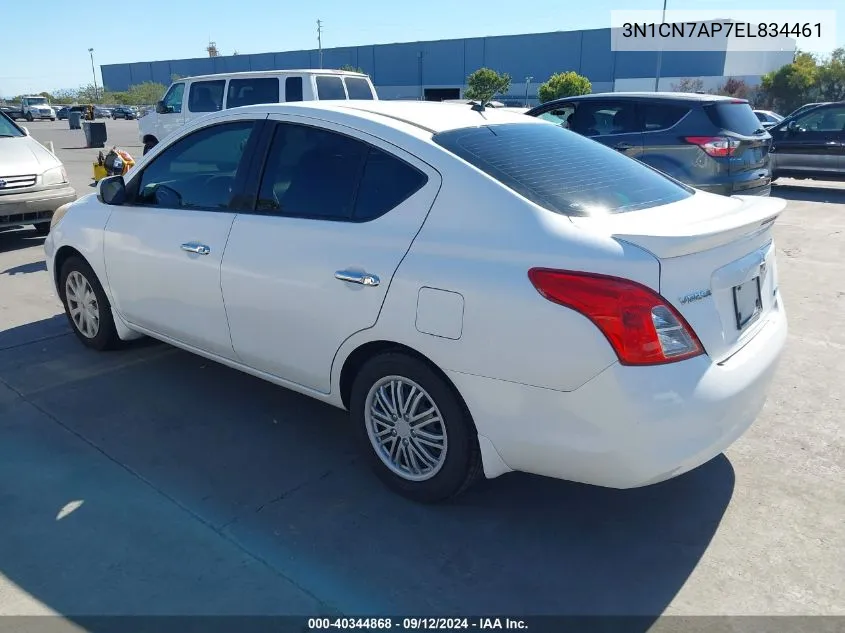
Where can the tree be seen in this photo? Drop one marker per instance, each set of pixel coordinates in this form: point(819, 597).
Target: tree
point(688, 84)
point(352, 69)
point(792, 85)
point(145, 94)
point(831, 81)
point(566, 84)
point(485, 83)
point(733, 87)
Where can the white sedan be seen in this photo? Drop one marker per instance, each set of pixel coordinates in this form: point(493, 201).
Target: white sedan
point(483, 291)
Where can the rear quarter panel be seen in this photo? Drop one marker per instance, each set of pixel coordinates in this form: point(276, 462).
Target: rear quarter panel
point(479, 240)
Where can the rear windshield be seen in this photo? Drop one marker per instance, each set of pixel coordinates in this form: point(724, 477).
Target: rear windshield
point(735, 117)
point(329, 88)
point(560, 170)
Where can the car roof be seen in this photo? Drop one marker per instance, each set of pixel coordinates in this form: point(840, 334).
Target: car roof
point(428, 116)
point(264, 73)
point(661, 96)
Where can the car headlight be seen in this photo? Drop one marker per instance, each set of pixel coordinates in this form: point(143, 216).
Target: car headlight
point(54, 176)
point(59, 213)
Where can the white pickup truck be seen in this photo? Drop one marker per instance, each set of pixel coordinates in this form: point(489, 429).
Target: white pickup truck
point(191, 97)
point(34, 107)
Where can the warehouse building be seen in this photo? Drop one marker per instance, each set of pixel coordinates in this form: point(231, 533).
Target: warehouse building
point(437, 70)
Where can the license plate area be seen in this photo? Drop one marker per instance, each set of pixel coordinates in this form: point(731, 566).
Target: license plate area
point(748, 303)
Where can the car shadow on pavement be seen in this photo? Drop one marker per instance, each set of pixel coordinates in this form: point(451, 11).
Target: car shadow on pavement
point(809, 193)
point(32, 267)
point(17, 239)
point(276, 475)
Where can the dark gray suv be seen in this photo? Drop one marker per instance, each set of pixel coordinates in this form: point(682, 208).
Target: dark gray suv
point(709, 142)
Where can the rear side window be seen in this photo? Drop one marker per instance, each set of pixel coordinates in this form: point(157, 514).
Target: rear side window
point(293, 89)
point(330, 88)
point(358, 88)
point(206, 96)
point(660, 116)
point(385, 183)
point(734, 117)
point(560, 170)
point(243, 92)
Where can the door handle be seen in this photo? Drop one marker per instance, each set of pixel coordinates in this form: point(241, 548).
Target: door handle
point(623, 146)
point(195, 247)
point(365, 279)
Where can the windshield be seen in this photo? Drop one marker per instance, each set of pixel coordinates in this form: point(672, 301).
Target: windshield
point(37, 101)
point(560, 170)
point(7, 128)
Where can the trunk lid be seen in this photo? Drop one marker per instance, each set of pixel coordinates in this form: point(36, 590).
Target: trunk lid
point(737, 120)
point(717, 261)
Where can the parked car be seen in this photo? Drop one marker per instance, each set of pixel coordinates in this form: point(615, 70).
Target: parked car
point(101, 113)
point(608, 325)
point(211, 93)
point(805, 107)
point(63, 113)
point(710, 142)
point(13, 112)
point(123, 113)
point(768, 118)
point(810, 144)
point(33, 182)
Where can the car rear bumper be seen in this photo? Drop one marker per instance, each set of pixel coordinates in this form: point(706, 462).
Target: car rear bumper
point(33, 207)
point(629, 426)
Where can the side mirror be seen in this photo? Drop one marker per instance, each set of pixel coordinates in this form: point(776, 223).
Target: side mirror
point(792, 127)
point(25, 130)
point(113, 190)
point(161, 108)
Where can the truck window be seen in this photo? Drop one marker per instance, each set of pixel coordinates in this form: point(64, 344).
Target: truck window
point(243, 92)
point(206, 96)
point(358, 88)
point(293, 89)
point(329, 87)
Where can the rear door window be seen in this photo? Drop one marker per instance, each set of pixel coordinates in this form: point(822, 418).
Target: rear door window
point(329, 87)
point(206, 96)
point(603, 118)
point(734, 116)
point(244, 92)
point(358, 88)
point(661, 116)
point(293, 89)
point(561, 171)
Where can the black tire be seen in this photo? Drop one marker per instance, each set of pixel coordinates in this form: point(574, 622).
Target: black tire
point(148, 145)
point(106, 335)
point(461, 466)
point(53, 119)
point(29, 116)
point(43, 228)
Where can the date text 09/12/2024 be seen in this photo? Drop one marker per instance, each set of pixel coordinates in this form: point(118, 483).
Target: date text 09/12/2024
point(416, 624)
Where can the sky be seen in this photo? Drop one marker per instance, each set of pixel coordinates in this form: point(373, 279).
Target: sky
point(47, 49)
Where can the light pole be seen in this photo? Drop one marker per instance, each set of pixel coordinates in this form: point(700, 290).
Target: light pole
point(94, 74)
point(660, 52)
point(527, 83)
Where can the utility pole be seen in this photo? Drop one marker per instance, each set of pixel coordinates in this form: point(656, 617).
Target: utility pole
point(527, 83)
point(660, 53)
point(320, 40)
point(94, 74)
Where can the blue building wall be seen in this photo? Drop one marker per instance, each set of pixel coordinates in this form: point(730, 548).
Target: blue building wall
point(446, 62)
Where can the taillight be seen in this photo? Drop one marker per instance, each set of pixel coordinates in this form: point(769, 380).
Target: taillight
point(640, 325)
point(718, 146)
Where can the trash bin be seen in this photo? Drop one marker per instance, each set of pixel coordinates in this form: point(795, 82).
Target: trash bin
point(95, 133)
point(74, 119)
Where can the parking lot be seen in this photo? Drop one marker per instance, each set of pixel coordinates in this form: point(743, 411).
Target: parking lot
point(152, 481)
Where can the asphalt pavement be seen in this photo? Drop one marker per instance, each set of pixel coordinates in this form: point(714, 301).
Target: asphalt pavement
point(152, 481)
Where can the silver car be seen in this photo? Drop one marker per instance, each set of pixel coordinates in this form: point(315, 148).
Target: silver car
point(33, 182)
